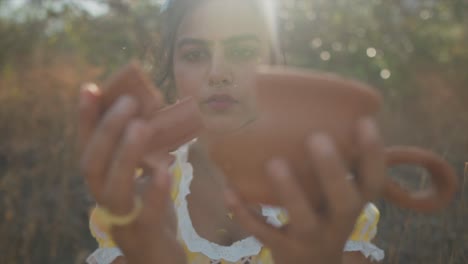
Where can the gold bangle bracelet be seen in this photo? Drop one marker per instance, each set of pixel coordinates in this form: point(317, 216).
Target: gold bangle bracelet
point(109, 219)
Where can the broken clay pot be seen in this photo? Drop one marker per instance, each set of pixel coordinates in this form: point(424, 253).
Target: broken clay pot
point(171, 125)
point(294, 104)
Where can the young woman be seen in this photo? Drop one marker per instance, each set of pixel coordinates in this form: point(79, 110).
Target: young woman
point(212, 50)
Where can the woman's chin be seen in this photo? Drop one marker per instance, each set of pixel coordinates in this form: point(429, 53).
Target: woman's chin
point(217, 127)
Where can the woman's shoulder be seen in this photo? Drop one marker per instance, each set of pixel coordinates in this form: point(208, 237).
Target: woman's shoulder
point(178, 168)
point(365, 228)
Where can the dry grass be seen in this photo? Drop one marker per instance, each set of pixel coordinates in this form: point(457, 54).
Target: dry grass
point(43, 202)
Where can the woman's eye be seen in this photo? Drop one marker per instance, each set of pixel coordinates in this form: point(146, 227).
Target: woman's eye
point(195, 55)
point(242, 53)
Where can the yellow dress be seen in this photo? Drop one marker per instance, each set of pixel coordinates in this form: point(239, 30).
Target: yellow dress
point(249, 250)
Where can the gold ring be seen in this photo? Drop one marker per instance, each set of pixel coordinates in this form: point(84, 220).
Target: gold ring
point(109, 219)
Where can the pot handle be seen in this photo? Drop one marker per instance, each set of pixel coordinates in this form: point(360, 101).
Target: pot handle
point(443, 177)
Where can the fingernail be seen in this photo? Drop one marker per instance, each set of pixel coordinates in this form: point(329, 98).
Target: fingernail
point(88, 94)
point(322, 142)
point(277, 167)
point(89, 91)
point(125, 102)
point(367, 129)
point(92, 88)
point(230, 197)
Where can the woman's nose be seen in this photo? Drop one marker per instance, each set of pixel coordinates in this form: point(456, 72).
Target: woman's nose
point(220, 74)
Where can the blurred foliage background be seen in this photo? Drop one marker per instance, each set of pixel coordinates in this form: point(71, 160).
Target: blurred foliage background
point(415, 52)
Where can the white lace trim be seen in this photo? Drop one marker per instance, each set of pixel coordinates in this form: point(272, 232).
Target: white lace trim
point(366, 248)
point(272, 213)
point(243, 248)
point(104, 255)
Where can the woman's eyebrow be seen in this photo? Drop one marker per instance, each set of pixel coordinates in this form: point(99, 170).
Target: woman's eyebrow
point(192, 41)
point(241, 38)
point(229, 41)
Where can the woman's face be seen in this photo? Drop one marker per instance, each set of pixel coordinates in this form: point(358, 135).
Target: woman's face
point(218, 46)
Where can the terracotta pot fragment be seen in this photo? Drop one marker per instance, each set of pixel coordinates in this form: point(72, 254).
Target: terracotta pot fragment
point(293, 104)
point(171, 125)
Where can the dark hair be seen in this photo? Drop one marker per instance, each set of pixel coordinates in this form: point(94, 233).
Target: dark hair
point(172, 16)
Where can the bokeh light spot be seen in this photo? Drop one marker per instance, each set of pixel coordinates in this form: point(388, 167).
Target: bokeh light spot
point(316, 43)
point(385, 74)
point(325, 55)
point(371, 52)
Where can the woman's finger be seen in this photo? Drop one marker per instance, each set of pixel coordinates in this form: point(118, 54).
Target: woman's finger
point(120, 188)
point(252, 223)
point(88, 113)
point(155, 208)
point(157, 193)
point(371, 166)
point(302, 219)
point(341, 197)
point(104, 143)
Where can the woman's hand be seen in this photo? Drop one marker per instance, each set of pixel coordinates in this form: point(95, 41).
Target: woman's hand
point(318, 235)
point(112, 148)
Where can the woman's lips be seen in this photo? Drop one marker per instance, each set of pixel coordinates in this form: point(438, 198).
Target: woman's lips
point(220, 102)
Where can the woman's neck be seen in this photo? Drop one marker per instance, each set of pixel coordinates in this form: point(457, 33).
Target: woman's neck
point(200, 159)
point(209, 215)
